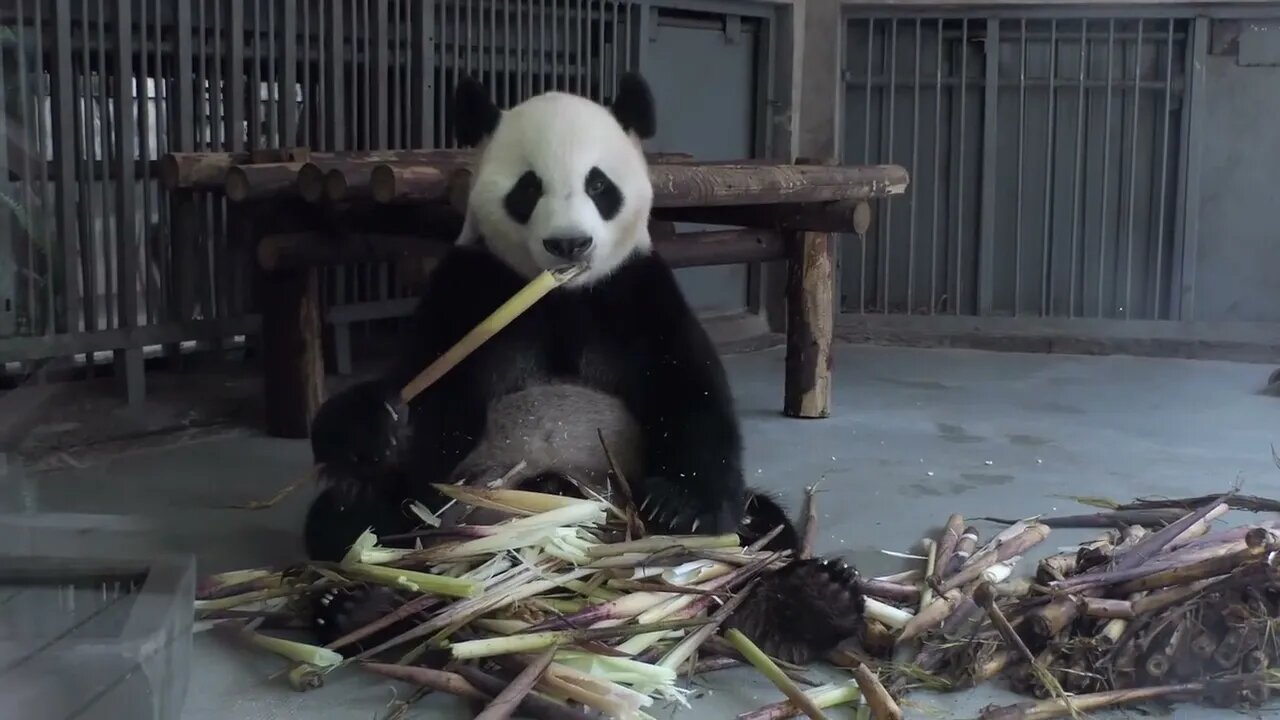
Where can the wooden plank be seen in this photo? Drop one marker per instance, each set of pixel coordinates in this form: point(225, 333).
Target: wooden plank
point(266, 180)
point(691, 249)
point(837, 216)
point(682, 185)
point(207, 170)
point(810, 325)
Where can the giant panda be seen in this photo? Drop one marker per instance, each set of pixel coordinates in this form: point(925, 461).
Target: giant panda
point(558, 179)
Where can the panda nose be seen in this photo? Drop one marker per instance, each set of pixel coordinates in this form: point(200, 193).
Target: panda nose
point(567, 248)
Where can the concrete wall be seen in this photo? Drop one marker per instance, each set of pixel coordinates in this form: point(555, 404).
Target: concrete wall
point(1238, 260)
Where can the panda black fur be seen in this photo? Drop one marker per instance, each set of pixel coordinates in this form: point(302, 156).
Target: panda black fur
point(617, 349)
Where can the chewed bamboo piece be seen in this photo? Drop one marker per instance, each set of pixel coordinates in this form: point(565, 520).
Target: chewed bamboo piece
point(507, 312)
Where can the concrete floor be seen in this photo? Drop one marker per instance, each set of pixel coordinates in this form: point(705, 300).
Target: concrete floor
point(915, 435)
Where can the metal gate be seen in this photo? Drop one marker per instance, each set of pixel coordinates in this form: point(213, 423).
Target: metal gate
point(1047, 156)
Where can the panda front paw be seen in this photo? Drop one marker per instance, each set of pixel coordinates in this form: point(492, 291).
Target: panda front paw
point(360, 432)
point(671, 508)
point(337, 612)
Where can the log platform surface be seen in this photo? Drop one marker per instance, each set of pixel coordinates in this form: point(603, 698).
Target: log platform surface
point(303, 210)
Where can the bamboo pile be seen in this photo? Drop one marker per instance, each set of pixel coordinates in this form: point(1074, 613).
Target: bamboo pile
point(572, 605)
point(1139, 613)
point(567, 600)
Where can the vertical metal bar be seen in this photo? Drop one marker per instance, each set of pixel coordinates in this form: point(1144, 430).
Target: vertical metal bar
point(505, 64)
point(866, 157)
point(524, 27)
point(937, 174)
point(891, 87)
point(457, 43)
point(129, 359)
point(273, 79)
point(324, 98)
point(287, 95)
point(1133, 170)
point(88, 231)
point(987, 214)
point(584, 50)
point(109, 229)
point(166, 298)
point(915, 154)
point(255, 78)
point(144, 138)
point(51, 286)
point(1187, 210)
point(617, 28)
point(63, 115)
point(208, 211)
point(308, 101)
point(204, 131)
point(424, 83)
point(470, 47)
point(365, 288)
point(13, 266)
point(561, 57)
point(183, 140)
point(1022, 137)
point(542, 44)
point(1164, 169)
point(480, 44)
point(397, 101)
point(24, 98)
point(335, 88)
point(633, 20)
point(1046, 282)
point(381, 59)
point(964, 76)
point(492, 40)
point(1075, 174)
point(218, 102)
point(365, 62)
point(235, 73)
point(1106, 173)
point(600, 48)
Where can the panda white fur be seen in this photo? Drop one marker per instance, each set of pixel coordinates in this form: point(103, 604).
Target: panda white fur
point(559, 179)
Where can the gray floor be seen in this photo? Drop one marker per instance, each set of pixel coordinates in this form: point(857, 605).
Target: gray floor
point(916, 434)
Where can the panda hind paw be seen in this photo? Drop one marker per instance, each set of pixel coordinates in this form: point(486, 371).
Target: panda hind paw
point(803, 610)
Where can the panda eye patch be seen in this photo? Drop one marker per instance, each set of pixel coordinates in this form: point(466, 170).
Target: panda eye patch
point(604, 193)
point(523, 197)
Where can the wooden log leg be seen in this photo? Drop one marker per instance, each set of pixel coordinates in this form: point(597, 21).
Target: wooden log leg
point(810, 325)
point(293, 353)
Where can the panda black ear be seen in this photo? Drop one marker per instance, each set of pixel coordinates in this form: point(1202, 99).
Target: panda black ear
point(475, 117)
point(633, 106)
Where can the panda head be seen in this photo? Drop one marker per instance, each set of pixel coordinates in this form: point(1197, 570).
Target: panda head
point(559, 178)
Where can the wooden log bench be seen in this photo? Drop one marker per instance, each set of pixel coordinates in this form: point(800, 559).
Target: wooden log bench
point(300, 210)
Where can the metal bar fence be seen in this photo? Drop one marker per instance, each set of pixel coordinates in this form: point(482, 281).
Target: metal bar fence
point(93, 92)
point(1044, 154)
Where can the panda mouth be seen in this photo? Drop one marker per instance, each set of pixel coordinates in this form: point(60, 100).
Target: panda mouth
point(564, 273)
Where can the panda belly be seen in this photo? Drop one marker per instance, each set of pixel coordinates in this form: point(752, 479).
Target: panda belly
point(554, 429)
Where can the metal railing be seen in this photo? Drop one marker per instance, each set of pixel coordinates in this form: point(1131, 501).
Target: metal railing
point(1046, 156)
point(94, 91)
